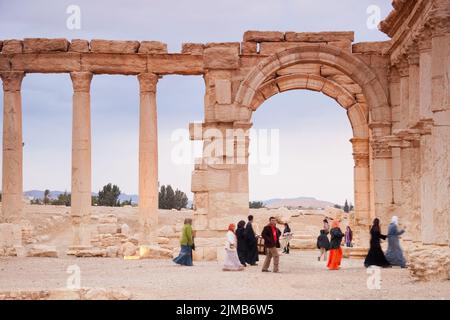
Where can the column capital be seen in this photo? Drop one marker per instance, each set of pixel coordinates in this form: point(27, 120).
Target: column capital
point(424, 40)
point(413, 54)
point(12, 80)
point(147, 82)
point(439, 21)
point(402, 67)
point(81, 81)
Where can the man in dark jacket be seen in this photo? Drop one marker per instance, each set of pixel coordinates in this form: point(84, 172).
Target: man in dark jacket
point(271, 235)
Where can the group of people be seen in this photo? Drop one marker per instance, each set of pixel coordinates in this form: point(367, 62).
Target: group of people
point(333, 244)
point(394, 254)
point(241, 245)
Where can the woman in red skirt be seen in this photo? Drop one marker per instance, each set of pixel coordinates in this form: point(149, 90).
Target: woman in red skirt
point(335, 257)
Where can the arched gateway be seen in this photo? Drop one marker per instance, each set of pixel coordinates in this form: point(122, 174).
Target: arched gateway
point(396, 94)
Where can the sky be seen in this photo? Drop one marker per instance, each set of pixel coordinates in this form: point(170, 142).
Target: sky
point(314, 153)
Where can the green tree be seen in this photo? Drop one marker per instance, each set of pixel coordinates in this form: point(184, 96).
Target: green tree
point(169, 199)
point(126, 203)
point(181, 200)
point(346, 207)
point(46, 198)
point(109, 196)
point(256, 204)
point(64, 199)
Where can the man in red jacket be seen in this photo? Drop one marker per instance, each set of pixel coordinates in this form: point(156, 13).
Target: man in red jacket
point(271, 235)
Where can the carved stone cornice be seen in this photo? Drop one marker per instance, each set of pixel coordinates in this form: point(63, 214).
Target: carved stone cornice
point(12, 80)
point(424, 126)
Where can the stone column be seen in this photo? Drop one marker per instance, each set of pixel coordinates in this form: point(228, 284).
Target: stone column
point(440, 106)
point(148, 156)
point(425, 125)
point(12, 182)
point(361, 176)
point(382, 170)
point(413, 83)
point(81, 159)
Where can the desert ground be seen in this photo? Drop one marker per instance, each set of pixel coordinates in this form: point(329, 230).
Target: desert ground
point(301, 277)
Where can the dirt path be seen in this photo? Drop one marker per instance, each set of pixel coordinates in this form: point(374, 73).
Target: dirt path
point(302, 277)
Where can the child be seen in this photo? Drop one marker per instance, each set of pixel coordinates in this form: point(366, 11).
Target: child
point(323, 244)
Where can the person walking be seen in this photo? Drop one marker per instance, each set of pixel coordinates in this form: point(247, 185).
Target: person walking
point(326, 226)
point(271, 235)
point(286, 238)
point(323, 244)
point(251, 237)
point(231, 262)
point(186, 243)
point(394, 253)
point(375, 256)
point(241, 242)
point(348, 236)
point(335, 257)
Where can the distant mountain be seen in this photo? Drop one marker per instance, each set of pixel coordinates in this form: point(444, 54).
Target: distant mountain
point(305, 202)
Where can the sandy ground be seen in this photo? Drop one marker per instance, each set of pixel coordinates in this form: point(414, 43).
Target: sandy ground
point(301, 277)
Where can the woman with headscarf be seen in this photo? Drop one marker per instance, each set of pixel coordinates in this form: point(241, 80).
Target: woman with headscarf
point(375, 256)
point(348, 236)
point(335, 257)
point(232, 262)
point(394, 253)
point(186, 243)
point(286, 238)
point(241, 242)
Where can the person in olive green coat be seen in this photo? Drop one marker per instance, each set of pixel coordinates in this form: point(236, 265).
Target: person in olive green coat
point(187, 244)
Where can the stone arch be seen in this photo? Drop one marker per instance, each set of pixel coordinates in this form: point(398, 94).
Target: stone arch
point(358, 71)
point(356, 112)
point(264, 80)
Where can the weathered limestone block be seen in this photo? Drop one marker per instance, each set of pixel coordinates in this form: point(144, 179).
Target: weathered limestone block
point(105, 228)
point(345, 45)
point(111, 218)
point(112, 251)
point(88, 253)
point(162, 240)
point(228, 203)
point(376, 47)
point(430, 263)
point(175, 64)
point(152, 47)
point(355, 252)
point(39, 45)
point(221, 57)
point(10, 235)
point(154, 252)
point(42, 251)
point(12, 46)
point(320, 36)
point(223, 91)
point(270, 48)
point(249, 48)
point(128, 249)
point(78, 45)
point(263, 36)
point(167, 232)
point(104, 294)
point(303, 244)
point(307, 68)
point(192, 48)
point(210, 180)
point(114, 46)
point(47, 62)
point(113, 63)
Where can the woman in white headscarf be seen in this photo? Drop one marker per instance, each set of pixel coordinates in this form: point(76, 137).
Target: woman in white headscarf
point(394, 253)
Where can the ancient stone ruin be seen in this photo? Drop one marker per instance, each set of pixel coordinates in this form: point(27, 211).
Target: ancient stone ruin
point(396, 94)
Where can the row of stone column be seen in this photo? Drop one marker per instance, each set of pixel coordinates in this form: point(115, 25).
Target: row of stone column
point(421, 134)
point(12, 179)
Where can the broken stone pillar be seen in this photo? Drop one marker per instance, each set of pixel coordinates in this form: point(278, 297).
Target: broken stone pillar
point(440, 106)
point(12, 185)
point(148, 156)
point(81, 159)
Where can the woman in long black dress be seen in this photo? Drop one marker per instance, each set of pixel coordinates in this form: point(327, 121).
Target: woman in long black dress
point(376, 257)
point(241, 242)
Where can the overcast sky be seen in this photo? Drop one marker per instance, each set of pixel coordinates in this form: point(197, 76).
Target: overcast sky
point(314, 151)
